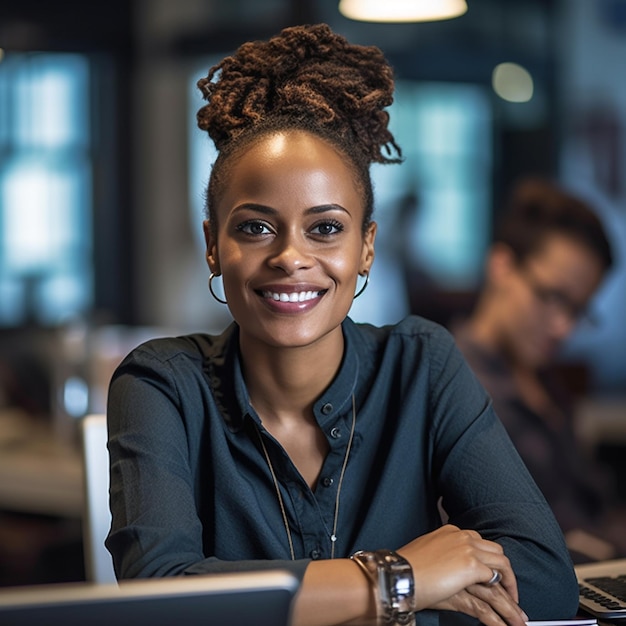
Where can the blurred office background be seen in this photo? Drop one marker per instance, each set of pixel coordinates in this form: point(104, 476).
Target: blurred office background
point(102, 176)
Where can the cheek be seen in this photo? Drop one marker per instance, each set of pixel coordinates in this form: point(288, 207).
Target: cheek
point(518, 312)
point(233, 267)
point(529, 325)
point(341, 266)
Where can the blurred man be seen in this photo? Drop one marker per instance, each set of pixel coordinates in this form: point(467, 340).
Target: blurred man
point(548, 258)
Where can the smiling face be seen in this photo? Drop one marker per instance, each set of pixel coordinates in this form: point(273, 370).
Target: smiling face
point(289, 240)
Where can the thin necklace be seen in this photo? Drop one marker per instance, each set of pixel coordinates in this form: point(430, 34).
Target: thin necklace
point(333, 535)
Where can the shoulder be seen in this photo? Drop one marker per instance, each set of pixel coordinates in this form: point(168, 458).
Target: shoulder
point(414, 347)
point(178, 369)
point(490, 366)
point(414, 334)
point(195, 349)
point(167, 348)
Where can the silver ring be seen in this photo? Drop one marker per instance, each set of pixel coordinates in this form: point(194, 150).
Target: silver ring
point(495, 579)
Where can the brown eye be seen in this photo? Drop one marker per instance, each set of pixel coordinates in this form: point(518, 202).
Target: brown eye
point(254, 227)
point(326, 228)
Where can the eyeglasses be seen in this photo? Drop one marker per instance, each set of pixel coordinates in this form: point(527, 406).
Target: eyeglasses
point(556, 301)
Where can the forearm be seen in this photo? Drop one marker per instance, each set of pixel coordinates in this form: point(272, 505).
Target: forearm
point(333, 592)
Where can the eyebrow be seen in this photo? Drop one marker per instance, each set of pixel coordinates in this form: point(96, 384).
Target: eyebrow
point(266, 210)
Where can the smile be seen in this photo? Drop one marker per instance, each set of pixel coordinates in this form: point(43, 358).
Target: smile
point(296, 296)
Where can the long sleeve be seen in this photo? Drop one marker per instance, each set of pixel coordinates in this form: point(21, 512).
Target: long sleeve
point(191, 491)
point(497, 496)
point(158, 421)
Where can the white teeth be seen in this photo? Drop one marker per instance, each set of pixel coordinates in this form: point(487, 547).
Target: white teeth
point(291, 297)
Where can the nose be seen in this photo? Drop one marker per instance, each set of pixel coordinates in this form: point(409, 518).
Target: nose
point(290, 253)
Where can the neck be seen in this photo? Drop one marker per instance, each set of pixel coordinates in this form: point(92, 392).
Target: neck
point(283, 383)
point(485, 330)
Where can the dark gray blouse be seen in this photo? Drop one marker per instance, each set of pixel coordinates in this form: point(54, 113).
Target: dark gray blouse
point(191, 490)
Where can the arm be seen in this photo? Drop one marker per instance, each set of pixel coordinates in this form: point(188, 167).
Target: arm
point(157, 423)
point(157, 528)
point(496, 495)
point(450, 567)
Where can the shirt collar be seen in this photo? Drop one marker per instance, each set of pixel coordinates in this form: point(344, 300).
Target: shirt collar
point(223, 370)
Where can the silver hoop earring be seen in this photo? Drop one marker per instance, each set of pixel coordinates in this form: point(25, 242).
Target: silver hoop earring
point(364, 286)
point(211, 277)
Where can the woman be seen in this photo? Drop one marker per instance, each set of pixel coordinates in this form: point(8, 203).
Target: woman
point(549, 256)
point(297, 438)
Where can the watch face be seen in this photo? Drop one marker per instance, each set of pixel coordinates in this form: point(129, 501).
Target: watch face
point(404, 586)
point(393, 577)
point(398, 589)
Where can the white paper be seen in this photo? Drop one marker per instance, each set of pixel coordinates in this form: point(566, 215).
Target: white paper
point(577, 621)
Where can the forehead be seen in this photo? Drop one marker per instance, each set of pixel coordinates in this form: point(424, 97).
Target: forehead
point(290, 167)
point(568, 261)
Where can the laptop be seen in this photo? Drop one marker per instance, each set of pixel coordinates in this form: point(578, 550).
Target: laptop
point(602, 587)
point(239, 599)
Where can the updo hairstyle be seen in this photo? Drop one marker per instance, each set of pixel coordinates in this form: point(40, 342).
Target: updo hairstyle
point(305, 78)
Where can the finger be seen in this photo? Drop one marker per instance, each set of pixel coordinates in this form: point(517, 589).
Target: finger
point(474, 606)
point(499, 600)
point(507, 577)
point(484, 612)
point(490, 546)
point(492, 562)
point(509, 584)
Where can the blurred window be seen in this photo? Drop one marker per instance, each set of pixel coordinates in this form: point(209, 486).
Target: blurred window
point(445, 132)
point(202, 152)
point(45, 188)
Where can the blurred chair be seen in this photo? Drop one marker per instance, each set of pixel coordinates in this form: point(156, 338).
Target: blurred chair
point(96, 514)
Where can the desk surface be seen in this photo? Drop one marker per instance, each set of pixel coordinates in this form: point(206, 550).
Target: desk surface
point(39, 473)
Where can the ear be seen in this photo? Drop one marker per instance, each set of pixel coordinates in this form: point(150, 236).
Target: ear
point(500, 265)
point(212, 257)
point(367, 251)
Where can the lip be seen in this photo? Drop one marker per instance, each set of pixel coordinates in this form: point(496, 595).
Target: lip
point(290, 299)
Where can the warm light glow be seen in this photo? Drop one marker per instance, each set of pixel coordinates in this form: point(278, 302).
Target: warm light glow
point(1, 55)
point(512, 82)
point(402, 10)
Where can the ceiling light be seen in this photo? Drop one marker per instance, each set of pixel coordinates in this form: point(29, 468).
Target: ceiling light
point(512, 82)
point(402, 10)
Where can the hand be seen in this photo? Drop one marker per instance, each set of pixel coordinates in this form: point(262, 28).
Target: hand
point(492, 606)
point(451, 567)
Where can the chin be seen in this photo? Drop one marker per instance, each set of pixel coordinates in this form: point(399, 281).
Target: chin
point(539, 361)
point(294, 337)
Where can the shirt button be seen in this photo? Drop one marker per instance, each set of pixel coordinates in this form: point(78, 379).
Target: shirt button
point(327, 481)
point(315, 554)
point(335, 433)
point(327, 408)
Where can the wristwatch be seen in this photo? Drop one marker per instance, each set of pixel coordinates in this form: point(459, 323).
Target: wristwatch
point(392, 578)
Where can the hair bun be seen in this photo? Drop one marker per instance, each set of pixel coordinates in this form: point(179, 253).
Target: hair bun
point(308, 76)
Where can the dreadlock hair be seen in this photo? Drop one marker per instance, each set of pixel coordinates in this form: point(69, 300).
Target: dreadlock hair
point(305, 78)
point(537, 209)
